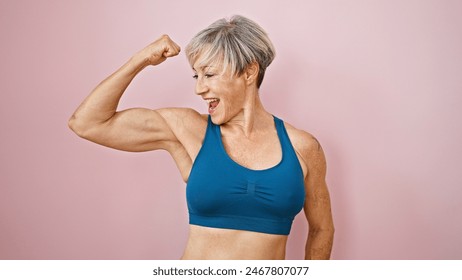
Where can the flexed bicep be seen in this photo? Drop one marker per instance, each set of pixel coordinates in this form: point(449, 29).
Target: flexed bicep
point(133, 130)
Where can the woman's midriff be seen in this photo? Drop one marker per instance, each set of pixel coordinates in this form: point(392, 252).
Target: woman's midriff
point(225, 244)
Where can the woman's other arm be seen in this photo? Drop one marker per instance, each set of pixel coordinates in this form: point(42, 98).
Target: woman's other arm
point(317, 204)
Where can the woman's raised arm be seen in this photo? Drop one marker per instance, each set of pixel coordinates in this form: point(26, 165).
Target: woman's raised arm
point(138, 129)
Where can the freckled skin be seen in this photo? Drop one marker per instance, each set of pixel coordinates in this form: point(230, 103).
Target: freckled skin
point(248, 134)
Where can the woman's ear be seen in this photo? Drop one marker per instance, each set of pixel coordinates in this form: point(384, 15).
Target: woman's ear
point(251, 73)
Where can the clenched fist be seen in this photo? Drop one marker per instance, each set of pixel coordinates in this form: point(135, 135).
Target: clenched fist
point(158, 51)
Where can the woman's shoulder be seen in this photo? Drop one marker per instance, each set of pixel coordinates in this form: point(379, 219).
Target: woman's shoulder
point(183, 116)
point(186, 123)
point(302, 139)
point(305, 144)
point(181, 112)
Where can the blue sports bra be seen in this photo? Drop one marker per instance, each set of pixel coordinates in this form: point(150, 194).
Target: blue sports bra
point(223, 194)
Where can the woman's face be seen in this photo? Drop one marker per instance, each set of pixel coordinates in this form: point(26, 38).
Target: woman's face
point(224, 93)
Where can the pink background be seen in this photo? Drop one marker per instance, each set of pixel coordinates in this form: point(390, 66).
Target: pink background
point(378, 82)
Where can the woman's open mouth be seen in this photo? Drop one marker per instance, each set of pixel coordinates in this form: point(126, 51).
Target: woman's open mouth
point(213, 103)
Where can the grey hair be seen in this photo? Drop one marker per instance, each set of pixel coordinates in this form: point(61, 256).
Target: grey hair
point(237, 42)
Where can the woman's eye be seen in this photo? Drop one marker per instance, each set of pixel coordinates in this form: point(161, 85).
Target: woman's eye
point(205, 75)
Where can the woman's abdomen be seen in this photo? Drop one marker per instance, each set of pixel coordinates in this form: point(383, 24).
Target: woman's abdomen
point(223, 244)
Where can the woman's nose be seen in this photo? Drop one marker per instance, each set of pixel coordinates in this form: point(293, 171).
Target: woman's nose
point(201, 87)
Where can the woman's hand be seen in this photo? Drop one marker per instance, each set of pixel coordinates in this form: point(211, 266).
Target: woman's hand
point(158, 51)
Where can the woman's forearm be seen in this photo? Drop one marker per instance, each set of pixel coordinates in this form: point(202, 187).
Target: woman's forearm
point(102, 102)
point(319, 244)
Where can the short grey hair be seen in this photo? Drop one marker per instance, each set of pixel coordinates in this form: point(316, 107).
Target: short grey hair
point(237, 42)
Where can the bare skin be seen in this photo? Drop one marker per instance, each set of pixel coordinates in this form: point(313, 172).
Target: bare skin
point(181, 131)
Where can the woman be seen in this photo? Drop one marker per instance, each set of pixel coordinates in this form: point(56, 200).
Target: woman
point(248, 173)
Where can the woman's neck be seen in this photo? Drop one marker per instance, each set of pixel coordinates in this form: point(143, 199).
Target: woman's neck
point(252, 118)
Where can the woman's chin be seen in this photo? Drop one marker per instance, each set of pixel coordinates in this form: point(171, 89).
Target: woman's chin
point(217, 119)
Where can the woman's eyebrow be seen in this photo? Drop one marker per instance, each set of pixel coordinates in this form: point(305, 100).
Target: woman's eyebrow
point(203, 67)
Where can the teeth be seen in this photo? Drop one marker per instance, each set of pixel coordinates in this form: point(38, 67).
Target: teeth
point(210, 100)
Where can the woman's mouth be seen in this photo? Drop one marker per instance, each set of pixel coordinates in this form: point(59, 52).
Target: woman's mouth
point(213, 103)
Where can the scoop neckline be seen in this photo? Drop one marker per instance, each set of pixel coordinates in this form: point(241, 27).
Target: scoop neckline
point(222, 146)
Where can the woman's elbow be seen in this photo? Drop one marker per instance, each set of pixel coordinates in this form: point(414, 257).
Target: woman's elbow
point(329, 228)
point(78, 126)
point(325, 228)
